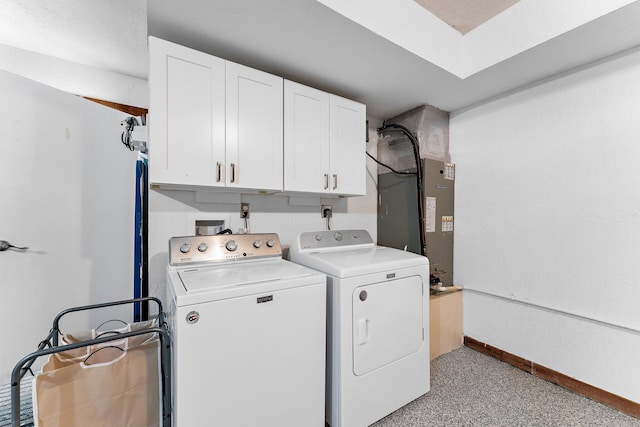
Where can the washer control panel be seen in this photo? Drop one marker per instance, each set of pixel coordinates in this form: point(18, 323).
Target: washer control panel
point(336, 238)
point(223, 247)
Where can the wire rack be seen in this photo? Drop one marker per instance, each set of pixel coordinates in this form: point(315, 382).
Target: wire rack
point(18, 393)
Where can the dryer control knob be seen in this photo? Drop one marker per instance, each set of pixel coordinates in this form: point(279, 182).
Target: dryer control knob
point(337, 235)
point(185, 248)
point(318, 237)
point(257, 244)
point(231, 245)
point(203, 247)
point(270, 243)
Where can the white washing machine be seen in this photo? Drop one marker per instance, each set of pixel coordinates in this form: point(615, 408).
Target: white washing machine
point(248, 333)
point(377, 324)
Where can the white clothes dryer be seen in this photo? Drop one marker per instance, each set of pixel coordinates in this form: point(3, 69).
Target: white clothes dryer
point(248, 333)
point(377, 324)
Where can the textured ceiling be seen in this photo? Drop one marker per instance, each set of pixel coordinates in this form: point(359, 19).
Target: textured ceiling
point(290, 38)
point(532, 41)
point(465, 15)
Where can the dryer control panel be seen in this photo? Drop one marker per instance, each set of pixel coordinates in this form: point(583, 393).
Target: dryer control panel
point(333, 239)
point(224, 247)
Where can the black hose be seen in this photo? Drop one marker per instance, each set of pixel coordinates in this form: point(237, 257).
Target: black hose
point(419, 187)
point(389, 167)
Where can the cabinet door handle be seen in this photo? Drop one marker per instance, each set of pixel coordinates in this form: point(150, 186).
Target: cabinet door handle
point(233, 172)
point(326, 181)
point(218, 172)
point(335, 181)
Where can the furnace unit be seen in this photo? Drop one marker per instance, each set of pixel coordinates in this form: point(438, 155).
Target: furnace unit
point(398, 220)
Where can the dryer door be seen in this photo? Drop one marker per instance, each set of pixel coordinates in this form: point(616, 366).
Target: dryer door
point(387, 322)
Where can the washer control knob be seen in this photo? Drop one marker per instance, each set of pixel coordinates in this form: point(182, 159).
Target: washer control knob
point(270, 243)
point(185, 248)
point(318, 237)
point(231, 245)
point(203, 247)
point(356, 235)
point(257, 244)
point(337, 235)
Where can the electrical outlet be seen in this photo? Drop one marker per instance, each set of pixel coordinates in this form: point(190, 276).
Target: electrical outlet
point(244, 210)
point(326, 211)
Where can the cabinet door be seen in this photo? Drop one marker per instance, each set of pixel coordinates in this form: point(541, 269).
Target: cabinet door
point(186, 115)
point(306, 139)
point(254, 128)
point(347, 136)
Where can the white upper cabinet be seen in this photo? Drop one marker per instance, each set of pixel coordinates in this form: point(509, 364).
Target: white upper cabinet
point(212, 122)
point(186, 115)
point(306, 138)
point(254, 128)
point(215, 123)
point(324, 142)
point(348, 152)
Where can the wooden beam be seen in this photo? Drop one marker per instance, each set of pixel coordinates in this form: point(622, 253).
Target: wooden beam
point(129, 109)
point(614, 401)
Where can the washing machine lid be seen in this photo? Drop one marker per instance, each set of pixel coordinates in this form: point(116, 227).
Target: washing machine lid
point(345, 263)
point(233, 275)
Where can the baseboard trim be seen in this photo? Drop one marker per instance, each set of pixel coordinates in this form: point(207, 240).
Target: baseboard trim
point(621, 404)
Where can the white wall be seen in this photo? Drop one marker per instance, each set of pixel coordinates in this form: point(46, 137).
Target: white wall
point(548, 221)
point(174, 212)
point(67, 192)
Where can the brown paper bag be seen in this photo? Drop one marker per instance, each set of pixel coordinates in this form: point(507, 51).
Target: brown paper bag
point(124, 391)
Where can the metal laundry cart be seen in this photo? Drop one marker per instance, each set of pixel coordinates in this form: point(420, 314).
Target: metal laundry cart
point(50, 345)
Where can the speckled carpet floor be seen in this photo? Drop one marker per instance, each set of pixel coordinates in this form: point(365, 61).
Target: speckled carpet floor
point(467, 389)
point(472, 389)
